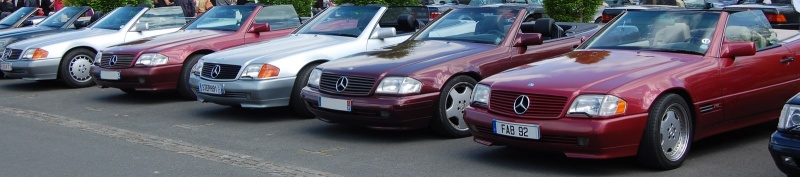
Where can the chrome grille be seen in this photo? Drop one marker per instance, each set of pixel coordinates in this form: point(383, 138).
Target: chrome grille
point(356, 85)
point(13, 55)
point(123, 61)
point(226, 71)
point(541, 106)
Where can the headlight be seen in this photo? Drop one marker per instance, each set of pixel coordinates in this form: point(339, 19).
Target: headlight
point(151, 59)
point(35, 54)
point(313, 79)
point(398, 85)
point(98, 58)
point(598, 105)
point(790, 117)
point(481, 94)
point(260, 71)
point(197, 69)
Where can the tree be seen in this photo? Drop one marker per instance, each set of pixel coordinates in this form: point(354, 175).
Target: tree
point(572, 10)
point(105, 5)
point(303, 7)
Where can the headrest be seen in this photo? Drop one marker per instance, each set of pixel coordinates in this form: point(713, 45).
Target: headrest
point(406, 23)
point(544, 26)
point(96, 16)
point(738, 33)
point(528, 27)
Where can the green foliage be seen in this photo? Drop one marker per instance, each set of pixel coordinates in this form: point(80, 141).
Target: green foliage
point(572, 10)
point(303, 7)
point(105, 5)
point(387, 2)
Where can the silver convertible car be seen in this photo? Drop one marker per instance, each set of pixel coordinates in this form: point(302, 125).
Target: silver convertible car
point(271, 73)
point(68, 56)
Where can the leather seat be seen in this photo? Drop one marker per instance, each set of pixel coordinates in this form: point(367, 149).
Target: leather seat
point(678, 32)
point(744, 34)
point(548, 28)
point(405, 23)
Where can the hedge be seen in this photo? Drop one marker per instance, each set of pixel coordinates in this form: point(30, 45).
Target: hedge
point(572, 10)
point(105, 5)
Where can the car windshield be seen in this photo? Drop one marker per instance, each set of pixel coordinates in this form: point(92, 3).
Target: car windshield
point(478, 25)
point(61, 17)
point(487, 2)
point(681, 32)
point(16, 16)
point(341, 21)
point(224, 18)
point(117, 18)
point(685, 3)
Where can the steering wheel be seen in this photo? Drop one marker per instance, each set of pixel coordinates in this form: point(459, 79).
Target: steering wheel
point(498, 33)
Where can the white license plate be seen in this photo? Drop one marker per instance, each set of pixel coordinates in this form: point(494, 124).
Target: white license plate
point(210, 88)
point(5, 66)
point(335, 104)
point(529, 131)
point(109, 75)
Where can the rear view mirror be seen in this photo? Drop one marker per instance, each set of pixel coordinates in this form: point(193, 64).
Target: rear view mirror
point(381, 33)
point(259, 27)
point(528, 39)
point(141, 27)
point(27, 23)
point(737, 49)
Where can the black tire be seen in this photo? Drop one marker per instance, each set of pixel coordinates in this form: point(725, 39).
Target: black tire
point(184, 89)
point(679, 130)
point(453, 126)
point(295, 101)
point(131, 91)
point(74, 68)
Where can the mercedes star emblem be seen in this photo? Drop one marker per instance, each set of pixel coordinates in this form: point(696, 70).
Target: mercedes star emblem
point(341, 84)
point(8, 54)
point(113, 60)
point(521, 104)
point(215, 71)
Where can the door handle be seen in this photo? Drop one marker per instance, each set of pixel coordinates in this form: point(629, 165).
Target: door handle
point(787, 60)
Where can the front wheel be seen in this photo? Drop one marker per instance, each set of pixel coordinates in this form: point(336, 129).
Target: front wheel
point(74, 68)
point(296, 100)
point(668, 133)
point(184, 89)
point(454, 98)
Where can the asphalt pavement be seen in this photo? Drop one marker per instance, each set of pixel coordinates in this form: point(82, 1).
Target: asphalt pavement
point(47, 129)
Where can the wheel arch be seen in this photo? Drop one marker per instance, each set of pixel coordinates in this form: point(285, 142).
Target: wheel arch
point(683, 93)
point(317, 61)
point(198, 52)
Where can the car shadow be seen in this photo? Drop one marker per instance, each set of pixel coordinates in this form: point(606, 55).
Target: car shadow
point(33, 86)
point(118, 97)
point(357, 134)
point(736, 138)
point(237, 114)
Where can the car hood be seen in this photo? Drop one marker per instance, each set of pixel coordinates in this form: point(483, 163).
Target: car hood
point(595, 71)
point(62, 37)
point(644, 7)
point(276, 49)
point(161, 42)
point(24, 30)
point(404, 58)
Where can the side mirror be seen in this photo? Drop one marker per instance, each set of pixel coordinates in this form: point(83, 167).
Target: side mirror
point(258, 27)
point(140, 27)
point(81, 24)
point(737, 49)
point(528, 39)
point(27, 23)
point(381, 33)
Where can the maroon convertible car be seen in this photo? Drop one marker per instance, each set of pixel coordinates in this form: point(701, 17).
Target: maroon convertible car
point(428, 79)
point(165, 62)
point(647, 85)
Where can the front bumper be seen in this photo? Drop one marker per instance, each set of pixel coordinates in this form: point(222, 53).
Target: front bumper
point(575, 137)
point(247, 93)
point(41, 69)
point(156, 78)
point(379, 112)
point(783, 145)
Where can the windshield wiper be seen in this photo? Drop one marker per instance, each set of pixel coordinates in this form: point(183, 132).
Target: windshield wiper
point(675, 51)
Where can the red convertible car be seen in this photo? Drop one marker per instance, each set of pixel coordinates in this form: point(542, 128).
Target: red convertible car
point(165, 62)
point(648, 85)
point(427, 80)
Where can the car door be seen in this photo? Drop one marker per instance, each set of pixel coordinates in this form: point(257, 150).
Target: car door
point(758, 85)
point(279, 18)
point(158, 21)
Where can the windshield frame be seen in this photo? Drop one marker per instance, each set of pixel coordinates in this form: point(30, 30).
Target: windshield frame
point(20, 11)
point(118, 10)
point(81, 11)
point(307, 27)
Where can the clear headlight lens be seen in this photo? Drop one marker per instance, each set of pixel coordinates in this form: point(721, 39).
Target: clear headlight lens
point(313, 79)
point(399, 85)
point(34, 54)
point(260, 71)
point(481, 94)
point(197, 69)
point(151, 59)
point(598, 105)
point(790, 117)
point(98, 58)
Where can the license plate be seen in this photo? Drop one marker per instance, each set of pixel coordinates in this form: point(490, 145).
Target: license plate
point(335, 104)
point(109, 75)
point(5, 66)
point(210, 88)
point(529, 131)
